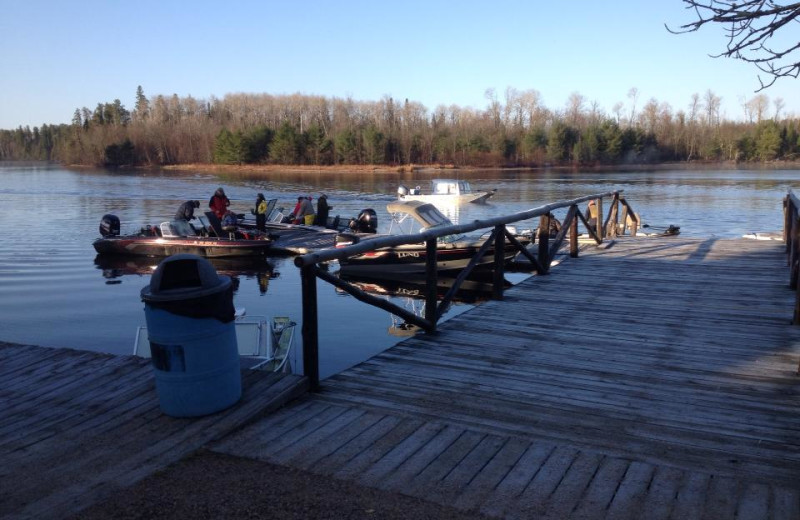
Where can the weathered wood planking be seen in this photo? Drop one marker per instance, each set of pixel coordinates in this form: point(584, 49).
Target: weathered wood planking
point(78, 426)
point(650, 378)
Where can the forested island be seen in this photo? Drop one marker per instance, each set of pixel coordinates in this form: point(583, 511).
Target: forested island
point(298, 129)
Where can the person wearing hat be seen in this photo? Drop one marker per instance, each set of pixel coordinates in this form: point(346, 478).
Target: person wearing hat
point(186, 210)
point(261, 212)
point(219, 203)
point(322, 211)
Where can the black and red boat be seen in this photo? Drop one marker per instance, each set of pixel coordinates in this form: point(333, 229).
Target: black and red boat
point(453, 252)
point(174, 237)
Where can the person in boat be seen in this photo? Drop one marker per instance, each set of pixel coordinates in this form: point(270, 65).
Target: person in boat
point(261, 212)
point(186, 210)
point(322, 211)
point(219, 203)
point(303, 211)
point(229, 222)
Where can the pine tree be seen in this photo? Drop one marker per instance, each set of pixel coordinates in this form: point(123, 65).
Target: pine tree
point(228, 148)
point(142, 109)
point(285, 147)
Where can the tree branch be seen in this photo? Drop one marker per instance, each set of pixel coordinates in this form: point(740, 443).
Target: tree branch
point(750, 26)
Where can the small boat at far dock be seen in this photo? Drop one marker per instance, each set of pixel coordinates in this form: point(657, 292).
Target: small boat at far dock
point(447, 191)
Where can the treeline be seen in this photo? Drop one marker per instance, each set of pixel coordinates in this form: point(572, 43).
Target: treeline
point(315, 130)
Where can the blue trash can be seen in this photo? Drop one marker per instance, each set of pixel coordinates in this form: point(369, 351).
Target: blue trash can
point(190, 325)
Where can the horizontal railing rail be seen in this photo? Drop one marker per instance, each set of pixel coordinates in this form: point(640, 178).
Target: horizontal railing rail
point(620, 218)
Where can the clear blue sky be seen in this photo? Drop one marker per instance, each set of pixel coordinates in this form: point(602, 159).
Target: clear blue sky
point(57, 56)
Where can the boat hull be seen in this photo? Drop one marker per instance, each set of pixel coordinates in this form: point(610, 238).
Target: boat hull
point(402, 262)
point(162, 246)
point(479, 197)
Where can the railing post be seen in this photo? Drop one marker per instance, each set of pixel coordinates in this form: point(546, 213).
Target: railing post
point(544, 242)
point(624, 218)
point(308, 282)
point(614, 216)
point(431, 282)
point(599, 224)
point(573, 233)
point(794, 254)
point(788, 211)
point(796, 315)
point(499, 261)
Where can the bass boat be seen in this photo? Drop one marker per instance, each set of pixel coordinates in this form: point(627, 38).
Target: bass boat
point(174, 237)
point(453, 252)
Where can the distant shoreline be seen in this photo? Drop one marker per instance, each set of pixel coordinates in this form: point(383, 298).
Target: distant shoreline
point(265, 169)
point(434, 168)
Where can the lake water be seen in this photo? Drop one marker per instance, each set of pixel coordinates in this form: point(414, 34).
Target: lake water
point(54, 293)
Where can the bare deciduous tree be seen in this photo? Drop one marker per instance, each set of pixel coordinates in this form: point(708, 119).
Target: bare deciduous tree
point(751, 27)
point(757, 107)
point(633, 95)
point(779, 104)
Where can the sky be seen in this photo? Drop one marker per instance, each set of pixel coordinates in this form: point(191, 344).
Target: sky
point(56, 56)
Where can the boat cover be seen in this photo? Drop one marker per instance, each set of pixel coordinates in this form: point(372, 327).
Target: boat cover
point(423, 212)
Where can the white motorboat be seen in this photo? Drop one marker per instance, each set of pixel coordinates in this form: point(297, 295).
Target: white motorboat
point(448, 191)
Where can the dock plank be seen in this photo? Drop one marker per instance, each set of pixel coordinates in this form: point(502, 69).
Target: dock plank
point(648, 377)
point(104, 432)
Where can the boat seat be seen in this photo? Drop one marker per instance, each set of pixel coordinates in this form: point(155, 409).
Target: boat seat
point(215, 224)
point(277, 217)
point(168, 230)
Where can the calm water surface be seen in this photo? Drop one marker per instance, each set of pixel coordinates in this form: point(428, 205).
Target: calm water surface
point(53, 291)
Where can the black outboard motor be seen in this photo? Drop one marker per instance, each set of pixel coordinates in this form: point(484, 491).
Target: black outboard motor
point(366, 222)
point(109, 226)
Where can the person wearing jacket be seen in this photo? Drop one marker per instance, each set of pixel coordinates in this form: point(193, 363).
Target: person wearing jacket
point(186, 210)
point(261, 212)
point(219, 203)
point(322, 211)
point(303, 211)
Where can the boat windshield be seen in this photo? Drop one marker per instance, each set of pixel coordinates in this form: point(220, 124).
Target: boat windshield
point(426, 215)
point(449, 239)
point(177, 228)
point(444, 187)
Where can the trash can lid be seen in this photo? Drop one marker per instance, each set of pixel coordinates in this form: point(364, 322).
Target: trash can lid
point(184, 276)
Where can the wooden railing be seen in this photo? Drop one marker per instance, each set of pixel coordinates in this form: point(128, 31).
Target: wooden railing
point(620, 218)
point(791, 236)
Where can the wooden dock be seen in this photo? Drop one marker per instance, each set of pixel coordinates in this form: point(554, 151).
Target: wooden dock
point(656, 378)
point(77, 427)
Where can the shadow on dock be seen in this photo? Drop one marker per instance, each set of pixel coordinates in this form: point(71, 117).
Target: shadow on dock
point(78, 427)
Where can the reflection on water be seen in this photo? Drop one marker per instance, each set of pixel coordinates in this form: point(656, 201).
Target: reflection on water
point(410, 295)
point(114, 267)
point(53, 293)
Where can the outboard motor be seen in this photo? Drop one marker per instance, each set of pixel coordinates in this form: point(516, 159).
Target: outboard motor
point(109, 226)
point(366, 222)
point(402, 190)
